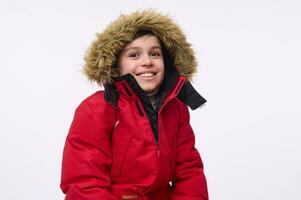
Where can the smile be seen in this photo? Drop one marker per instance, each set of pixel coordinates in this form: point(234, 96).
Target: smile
point(146, 75)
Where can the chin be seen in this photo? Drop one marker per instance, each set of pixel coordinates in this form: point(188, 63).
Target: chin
point(150, 91)
point(147, 87)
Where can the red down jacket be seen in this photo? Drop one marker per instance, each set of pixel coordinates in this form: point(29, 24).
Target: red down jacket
point(111, 152)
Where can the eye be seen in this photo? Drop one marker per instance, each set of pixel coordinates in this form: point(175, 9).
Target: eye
point(133, 55)
point(155, 53)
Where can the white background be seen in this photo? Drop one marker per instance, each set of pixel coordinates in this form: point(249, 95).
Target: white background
point(248, 133)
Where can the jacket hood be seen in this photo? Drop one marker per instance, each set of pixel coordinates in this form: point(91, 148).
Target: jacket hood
point(102, 54)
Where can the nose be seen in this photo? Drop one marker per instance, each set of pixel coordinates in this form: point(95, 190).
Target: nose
point(146, 61)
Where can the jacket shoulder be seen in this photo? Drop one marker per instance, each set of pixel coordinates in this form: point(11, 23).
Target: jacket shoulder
point(97, 103)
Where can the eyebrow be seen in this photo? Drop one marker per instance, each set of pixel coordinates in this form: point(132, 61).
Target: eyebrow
point(138, 48)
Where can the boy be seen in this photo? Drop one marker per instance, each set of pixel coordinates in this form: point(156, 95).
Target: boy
point(133, 139)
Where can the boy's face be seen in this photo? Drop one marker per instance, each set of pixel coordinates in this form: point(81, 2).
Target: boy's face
point(144, 60)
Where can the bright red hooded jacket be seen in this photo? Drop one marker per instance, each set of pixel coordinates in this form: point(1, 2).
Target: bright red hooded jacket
point(111, 151)
point(119, 145)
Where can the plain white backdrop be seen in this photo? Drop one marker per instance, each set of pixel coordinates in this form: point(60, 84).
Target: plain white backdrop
point(248, 133)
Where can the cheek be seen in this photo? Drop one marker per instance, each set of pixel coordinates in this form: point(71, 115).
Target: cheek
point(125, 67)
point(162, 76)
point(162, 70)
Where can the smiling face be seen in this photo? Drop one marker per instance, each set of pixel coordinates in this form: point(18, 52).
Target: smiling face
point(143, 59)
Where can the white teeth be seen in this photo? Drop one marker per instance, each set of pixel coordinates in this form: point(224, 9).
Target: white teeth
point(147, 74)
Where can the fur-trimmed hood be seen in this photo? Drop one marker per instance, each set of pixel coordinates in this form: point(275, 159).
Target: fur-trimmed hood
point(103, 51)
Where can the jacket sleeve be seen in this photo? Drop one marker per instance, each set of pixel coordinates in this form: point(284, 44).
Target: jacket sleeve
point(189, 182)
point(87, 155)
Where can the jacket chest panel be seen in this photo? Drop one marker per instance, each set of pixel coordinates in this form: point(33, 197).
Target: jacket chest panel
point(131, 119)
point(133, 145)
point(168, 123)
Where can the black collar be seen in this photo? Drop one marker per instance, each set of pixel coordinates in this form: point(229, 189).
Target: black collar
point(187, 94)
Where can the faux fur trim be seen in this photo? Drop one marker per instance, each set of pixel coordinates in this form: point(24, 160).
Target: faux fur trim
point(102, 53)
